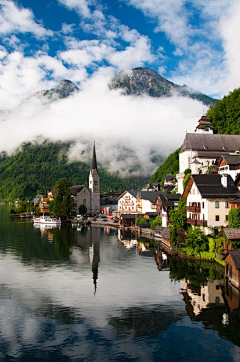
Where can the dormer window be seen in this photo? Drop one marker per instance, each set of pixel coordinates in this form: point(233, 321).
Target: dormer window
point(205, 147)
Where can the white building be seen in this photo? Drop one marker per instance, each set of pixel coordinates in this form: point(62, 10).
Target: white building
point(208, 199)
point(203, 149)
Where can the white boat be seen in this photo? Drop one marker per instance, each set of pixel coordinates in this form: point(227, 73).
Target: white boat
point(47, 220)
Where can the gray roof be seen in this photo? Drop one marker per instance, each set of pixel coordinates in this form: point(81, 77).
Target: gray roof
point(211, 186)
point(232, 159)
point(209, 154)
point(76, 189)
point(235, 255)
point(210, 142)
point(169, 200)
point(232, 234)
point(148, 195)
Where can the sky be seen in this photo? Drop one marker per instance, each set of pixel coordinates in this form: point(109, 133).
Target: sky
point(88, 41)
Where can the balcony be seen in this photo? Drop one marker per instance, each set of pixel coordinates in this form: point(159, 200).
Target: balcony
point(195, 222)
point(194, 208)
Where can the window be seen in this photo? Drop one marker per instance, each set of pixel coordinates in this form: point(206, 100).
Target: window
point(217, 204)
point(193, 192)
point(226, 218)
point(203, 205)
point(217, 218)
point(226, 204)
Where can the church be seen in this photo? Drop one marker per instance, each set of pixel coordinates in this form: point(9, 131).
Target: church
point(90, 197)
point(203, 149)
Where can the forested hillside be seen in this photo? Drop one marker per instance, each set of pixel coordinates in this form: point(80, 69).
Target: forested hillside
point(225, 117)
point(170, 165)
point(34, 169)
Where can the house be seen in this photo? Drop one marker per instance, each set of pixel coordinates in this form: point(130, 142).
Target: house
point(44, 204)
point(170, 180)
point(165, 203)
point(232, 267)
point(202, 149)
point(154, 186)
point(208, 199)
point(108, 202)
point(230, 164)
point(127, 202)
point(146, 202)
point(230, 237)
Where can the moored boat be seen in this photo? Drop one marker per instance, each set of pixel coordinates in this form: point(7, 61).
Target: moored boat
point(47, 220)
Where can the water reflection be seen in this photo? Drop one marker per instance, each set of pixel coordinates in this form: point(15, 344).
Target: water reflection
point(85, 296)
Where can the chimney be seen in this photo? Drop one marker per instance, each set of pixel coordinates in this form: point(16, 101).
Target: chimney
point(224, 180)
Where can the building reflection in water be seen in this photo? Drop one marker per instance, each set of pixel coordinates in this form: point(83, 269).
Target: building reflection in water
point(45, 230)
point(89, 239)
point(198, 298)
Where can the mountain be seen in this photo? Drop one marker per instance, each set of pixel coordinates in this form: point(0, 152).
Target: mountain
point(34, 169)
point(141, 81)
point(65, 89)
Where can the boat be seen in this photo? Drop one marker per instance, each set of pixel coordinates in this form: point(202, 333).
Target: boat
point(47, 220)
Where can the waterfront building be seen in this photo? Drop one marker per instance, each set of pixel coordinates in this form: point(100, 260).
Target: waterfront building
point(164, 203)
point(208, 199)
point(232, 267)
point(127, 202)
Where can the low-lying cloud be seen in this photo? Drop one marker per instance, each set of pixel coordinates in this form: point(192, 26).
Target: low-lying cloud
point(131, 132)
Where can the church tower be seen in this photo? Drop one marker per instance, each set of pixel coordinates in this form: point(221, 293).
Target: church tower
point(94, 185)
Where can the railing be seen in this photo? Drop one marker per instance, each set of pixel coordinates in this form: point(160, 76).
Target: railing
point(194, 208)
point(197, 222)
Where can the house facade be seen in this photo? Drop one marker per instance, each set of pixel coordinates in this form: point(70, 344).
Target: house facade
point(208, 199)
point(127, 202)
point(165, 203)
point(230, 164)
point(232, 267)
point(146, 202)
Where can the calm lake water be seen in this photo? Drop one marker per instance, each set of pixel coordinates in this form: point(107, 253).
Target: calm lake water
point(84, 295)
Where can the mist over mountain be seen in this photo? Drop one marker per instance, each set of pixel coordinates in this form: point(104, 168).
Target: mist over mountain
point(134, 132)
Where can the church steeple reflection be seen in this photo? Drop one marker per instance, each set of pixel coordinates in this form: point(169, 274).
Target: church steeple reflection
point(90, 240)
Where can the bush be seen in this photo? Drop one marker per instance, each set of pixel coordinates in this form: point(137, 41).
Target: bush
point(141, 220)
point(156, 222)
point(234, 218)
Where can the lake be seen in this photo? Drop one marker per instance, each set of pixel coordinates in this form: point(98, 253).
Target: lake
point(93, 294)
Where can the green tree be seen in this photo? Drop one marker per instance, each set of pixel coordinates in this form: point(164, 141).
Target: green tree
point(178, 218)
point(63, 203)
point(234, 218)
point(197, 240)
point(170, 165)
point(82, 209)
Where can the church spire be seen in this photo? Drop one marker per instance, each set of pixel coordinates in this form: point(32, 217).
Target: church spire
point(94, 159)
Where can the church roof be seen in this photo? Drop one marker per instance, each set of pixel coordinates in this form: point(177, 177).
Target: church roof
point(76, 189)
point(204, 122)
point(211, 142)
point(94, 159)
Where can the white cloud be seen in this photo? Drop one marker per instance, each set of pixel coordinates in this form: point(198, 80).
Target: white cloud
point(15, 19)
point(204, 34)
point(128, 130)
point(81, 6)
